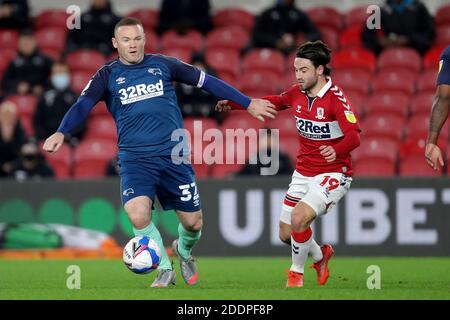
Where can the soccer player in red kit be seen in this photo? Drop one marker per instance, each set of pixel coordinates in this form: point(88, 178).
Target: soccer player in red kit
point(328, 132)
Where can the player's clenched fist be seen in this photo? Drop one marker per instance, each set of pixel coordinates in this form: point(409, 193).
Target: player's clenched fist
point(54, 142)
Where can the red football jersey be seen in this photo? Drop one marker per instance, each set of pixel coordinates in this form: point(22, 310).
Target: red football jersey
point(323, 122)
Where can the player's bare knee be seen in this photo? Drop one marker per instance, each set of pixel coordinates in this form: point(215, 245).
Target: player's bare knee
point(194, 225)
point(138, 213)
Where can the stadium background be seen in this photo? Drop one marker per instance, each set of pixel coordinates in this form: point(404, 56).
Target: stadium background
point(397, 206)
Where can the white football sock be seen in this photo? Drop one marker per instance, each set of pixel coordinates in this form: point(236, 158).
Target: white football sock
point(315, 252)
point(300, 252)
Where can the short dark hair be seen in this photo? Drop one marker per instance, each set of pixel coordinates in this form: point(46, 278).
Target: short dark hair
point(127, 21)
point(318, 52)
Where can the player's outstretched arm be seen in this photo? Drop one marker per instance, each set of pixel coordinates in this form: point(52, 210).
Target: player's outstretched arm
point(73, 118)
point(439, 114)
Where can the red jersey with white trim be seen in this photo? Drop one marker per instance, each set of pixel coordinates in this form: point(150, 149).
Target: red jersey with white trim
point(322, 122)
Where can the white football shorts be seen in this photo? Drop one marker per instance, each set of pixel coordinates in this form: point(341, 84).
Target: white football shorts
point(320, 192)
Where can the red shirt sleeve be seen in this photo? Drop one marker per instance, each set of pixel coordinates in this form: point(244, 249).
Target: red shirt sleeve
point(281, 102)
point(349, 126)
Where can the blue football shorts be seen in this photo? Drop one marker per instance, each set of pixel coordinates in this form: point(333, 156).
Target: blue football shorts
point(173, 184)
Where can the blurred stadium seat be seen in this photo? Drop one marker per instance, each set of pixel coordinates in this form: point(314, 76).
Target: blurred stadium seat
point(379, 148)
point(184, 54)
point(266, 82)
point(379, 103)
point(223, 61)
point(264, 59)
point(431, 58)
point(330, 36)
point(79, 80)
point(415, 166)
point(241, 120)
point(85, 60)
point(100, 110)
point(386, 126)
point(351, 37)
point(417, 127)
point(426, 83)
point(152, 41)
point(355, 17)
point(234, 17)
point(422, 103)
point(148, 17)
point(51, 41)
point(91, 157)
point(9, 39)
point(400, 80)
point(443, 35)
point(231, 37)
point(354, 58)
point(290, 146)
point(326, 16)
point(353, 80)
point(374, 168)
point(407, 58)
point(60, 161)
point(192, 40)
point(442, 16)
point(101, 127)
point(56, 18)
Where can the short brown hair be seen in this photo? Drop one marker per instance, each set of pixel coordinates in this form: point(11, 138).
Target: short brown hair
point(128, 21)
point(318, 52)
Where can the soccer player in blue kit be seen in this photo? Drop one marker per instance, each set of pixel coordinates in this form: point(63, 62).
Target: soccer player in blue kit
point(439, 113)
point(139, 94)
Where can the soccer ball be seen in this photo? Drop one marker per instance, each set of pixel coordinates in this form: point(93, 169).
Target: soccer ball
point(141, 255)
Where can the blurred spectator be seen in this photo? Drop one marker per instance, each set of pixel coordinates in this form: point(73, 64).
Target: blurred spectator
point(182, 15)
point(31, 165)
point(403, 23)
point(54, 103)
point(279, 26)
point(113, 168)
point(12, 137)
point(193, 101)
point(265, 148)
point(29, 71)
point(14, 14)
point(97, 29)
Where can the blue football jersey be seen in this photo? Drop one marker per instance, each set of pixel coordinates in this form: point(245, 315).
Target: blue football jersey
point(142, 101)
point(444, 67)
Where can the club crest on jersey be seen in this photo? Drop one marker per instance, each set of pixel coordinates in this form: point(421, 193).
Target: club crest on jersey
point(299, 108)
point(320, 113)
point(120, 80)
point(155, 71)
point(350, 116)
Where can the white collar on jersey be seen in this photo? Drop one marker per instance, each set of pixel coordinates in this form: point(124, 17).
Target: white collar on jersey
point(325, 88)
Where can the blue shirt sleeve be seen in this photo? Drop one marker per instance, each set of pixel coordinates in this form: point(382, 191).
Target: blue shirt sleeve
point(188, 74)
point(92, 93)
point(444, 68)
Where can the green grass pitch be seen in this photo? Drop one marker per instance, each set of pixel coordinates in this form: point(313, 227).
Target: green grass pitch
point(239, 278)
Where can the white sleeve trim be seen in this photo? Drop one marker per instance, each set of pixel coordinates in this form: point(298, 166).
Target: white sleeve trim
point(201, 80)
